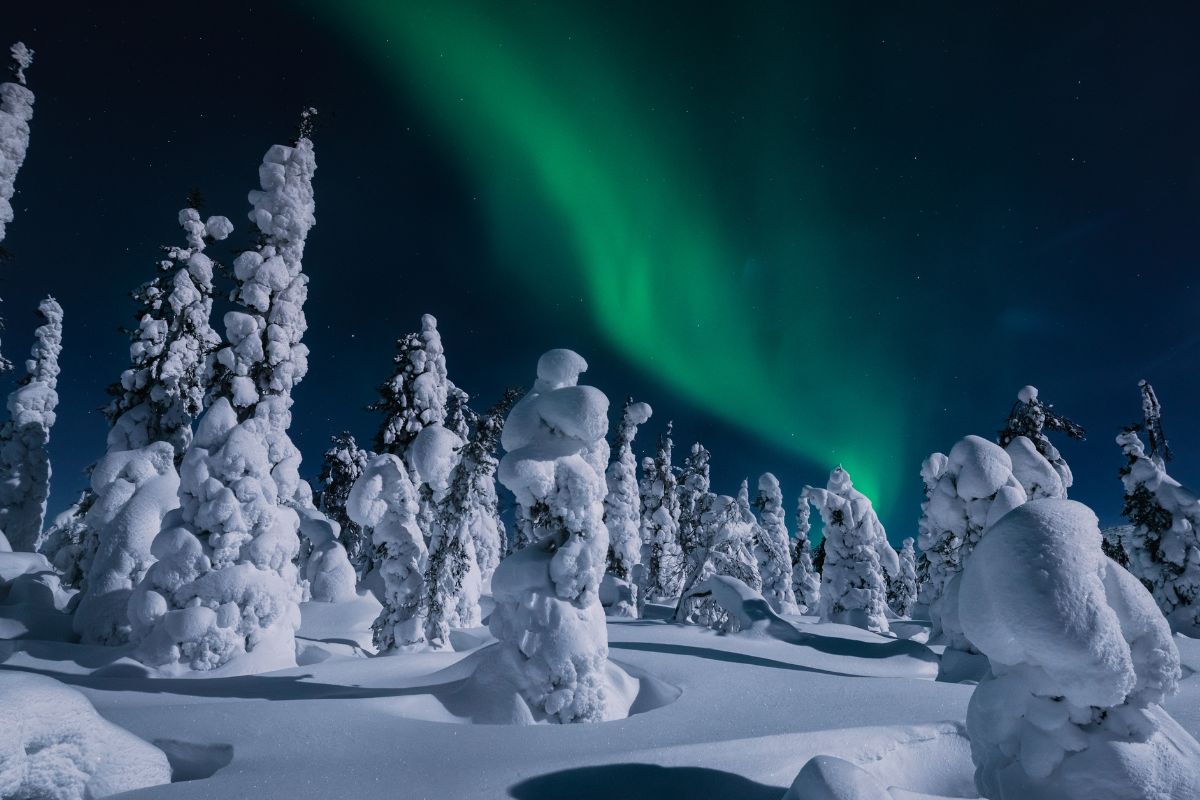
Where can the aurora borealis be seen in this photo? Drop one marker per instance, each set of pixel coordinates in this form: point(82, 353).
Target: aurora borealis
point(810, 235)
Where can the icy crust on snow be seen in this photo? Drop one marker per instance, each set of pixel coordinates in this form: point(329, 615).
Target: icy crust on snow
point(553, 642)
point(16, 110)
point(225, 584)
point(54, 746)
point(384, 501)
point(622, 508)
point(857, 553)
point(24, 459)
point(134, 491)
point(1080, 660)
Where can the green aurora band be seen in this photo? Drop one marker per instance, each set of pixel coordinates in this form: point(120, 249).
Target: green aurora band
point(736, 298)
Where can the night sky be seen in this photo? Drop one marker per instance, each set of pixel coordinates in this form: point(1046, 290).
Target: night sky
point(808, 235)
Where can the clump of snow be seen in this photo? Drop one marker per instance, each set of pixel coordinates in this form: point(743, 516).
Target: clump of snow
point(1080, 661)
point(622, 507)
point(384, 501)
point(54, 746)
point(553, 643)
point(857, 553)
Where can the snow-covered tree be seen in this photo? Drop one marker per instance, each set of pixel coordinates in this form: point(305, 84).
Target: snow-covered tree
point(163, 390)
point(417, 393)
point(553, 641)
point(806, 581)
point(1163, 547)
point(16, 110)
point(384, 501)
point(771, 547)
point(66, 542)
point(661, 553)
point(695, 498)
point(1081, 661)
point(966, 492)
point(857, 554)
point(729, 550)
point(1024, 437)
point(1160, 450)
point(902, 590)
point(343, 464)
point(623, 503)
point(24, 458)
point(488, 528)
point(226, 585)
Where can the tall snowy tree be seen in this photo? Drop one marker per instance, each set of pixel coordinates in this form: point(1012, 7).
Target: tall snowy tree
point(16, 110)
point(553, 641)
point(695, 498)
point(623, 503)
point(857, 554)
point(1024, 437)
point(661, 554)
point(1163, 547)
point(24, 458)
point(771, 547)
point(902, 590)
point(729, 550)
point(806, 581)
point(384, 501)
point(343, 464)
point(417, 393)
point(226, 585)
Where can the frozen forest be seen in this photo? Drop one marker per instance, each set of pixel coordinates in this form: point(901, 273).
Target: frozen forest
point(549, 592)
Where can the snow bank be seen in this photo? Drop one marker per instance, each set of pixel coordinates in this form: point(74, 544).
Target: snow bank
point(1080, 660)
point(54, 746)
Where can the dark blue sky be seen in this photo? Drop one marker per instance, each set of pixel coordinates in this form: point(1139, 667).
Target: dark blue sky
point(1056, 203)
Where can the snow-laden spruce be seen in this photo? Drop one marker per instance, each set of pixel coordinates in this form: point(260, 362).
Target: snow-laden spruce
point(341, 467)
point(662, 557)
point(553, 644)
point(965, 492)
point(384, 501)
point(902, 590)
point(857, 554)
point(1163, 547)
point(487, 527)
point(418, 391)
point(806, 583)
point(1038, 465)
point(729, 550)
point(16, 110)
point(226, 586)
point(771, 547)
point(623, 503)
point(1081, 660)
point(24, 458)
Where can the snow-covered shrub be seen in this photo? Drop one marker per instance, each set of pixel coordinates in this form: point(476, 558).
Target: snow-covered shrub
point(16, 110)
point(384, 501)
point(662, 557)
point(806, 581)
point(54, 746)
point(729, 551)
point(134, 490)
point(902, 590)
point(1024, 437)
point(623, 503)
point(1163, 546)
point(966, 492)
point(24, 458)
point(771, 547)
point(553, 641)
point(343, 464)
point(1080, 661)
point(857, 554)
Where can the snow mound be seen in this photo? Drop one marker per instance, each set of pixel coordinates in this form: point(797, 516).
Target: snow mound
point(54, 746)
point(833, 778)
point(33, 602)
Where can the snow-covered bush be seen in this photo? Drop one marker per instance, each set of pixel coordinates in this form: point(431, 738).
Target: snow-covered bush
point(384, 501)
point(24, 458)
point(729, 551)
point(1080, 661)
point(771, 547)
point(16, 110)
point(343, 464)
point(662, 557)
point(553, 642)
point(806, 582)
point(966, 492)
point(623, 503)
point(857, 554)
point(1024, 437)
point(902, 590)
point(1163, 546)
point(54, 746)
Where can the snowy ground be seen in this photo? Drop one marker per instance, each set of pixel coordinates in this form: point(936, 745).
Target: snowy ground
point(731, 716)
